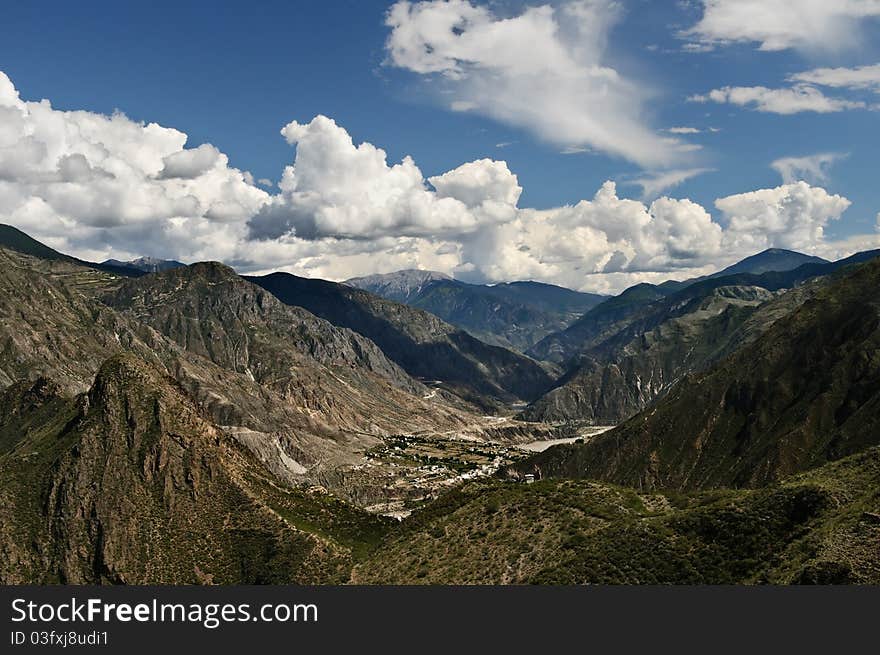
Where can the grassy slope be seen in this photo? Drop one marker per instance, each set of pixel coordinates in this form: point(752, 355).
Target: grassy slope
point(816, 527)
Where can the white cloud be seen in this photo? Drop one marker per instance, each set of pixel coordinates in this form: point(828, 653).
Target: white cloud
point(783, 24)
point(793, 100)
point(582, 244)
point(656, 183)
point(683, 130)
point(811, 168)
point(788, 216)
point(543, 70)
point(191, 163)
point(574, 150)
point(860, 77)
point(832, 250)
point(478, 184)
point(100, 186)
point(337, 189)
point(105, 183)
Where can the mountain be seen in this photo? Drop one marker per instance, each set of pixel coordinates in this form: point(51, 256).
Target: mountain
point(819, 527)
point(130, 483)
point(621, 375)
point(512, 315)
point(603, 319)
point(630, 350)
point(306, 397)
point(145, 264)
point(772, 259)
point(49, 326)
point(209, 310)
point(805, 392)
point(14, 239)
point(422, 344)
point(791, 267)
point(400, 286)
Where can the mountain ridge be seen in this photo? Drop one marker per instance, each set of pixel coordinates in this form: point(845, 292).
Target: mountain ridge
point(513, 315)
point(804, 393)
point(145, 264)
point(421, 343)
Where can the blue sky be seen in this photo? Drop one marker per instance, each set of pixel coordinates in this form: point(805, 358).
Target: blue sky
point(233, 74)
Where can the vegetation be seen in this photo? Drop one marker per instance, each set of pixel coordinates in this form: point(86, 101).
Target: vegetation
point(175, 428)
point(813, 528)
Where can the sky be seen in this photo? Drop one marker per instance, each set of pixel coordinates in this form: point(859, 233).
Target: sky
point(588, 143)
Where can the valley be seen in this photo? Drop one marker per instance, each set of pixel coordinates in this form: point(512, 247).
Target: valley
point(184, 424)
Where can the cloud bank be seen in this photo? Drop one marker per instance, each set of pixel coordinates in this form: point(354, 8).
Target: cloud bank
point(101, 186)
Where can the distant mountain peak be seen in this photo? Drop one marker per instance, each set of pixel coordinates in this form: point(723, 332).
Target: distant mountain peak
point(405, 275)
point(145, 264)
point(771, 259)
point(399, 285)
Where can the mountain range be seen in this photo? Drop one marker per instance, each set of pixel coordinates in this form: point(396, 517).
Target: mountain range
point(514, 315)
point(145, 264)
point(190, 425)
point(630, 350)
point(805, 392)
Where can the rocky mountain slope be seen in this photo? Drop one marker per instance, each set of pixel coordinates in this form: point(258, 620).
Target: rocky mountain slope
point(189, 426)
point(770, 260)
point(15, 240)
point(422, 344)
point(132, 483)
point(629, 351)
point(805, 392)
point(622, 375)
point(400, 286)
point(305, 396)
point(514, 315)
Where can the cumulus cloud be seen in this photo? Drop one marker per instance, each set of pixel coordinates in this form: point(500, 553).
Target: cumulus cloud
point(193, 162)
point(811, 168)
point(793, 100)
point(479, 183)
point(788, 216)
point(336, 188)
point(783, 24)
point(100, 186)
point(87, 180)
point(587, 242)
point(543, 70)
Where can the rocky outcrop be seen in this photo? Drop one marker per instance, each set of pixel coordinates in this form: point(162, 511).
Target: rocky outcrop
point(293, 387)
point(138, 486)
